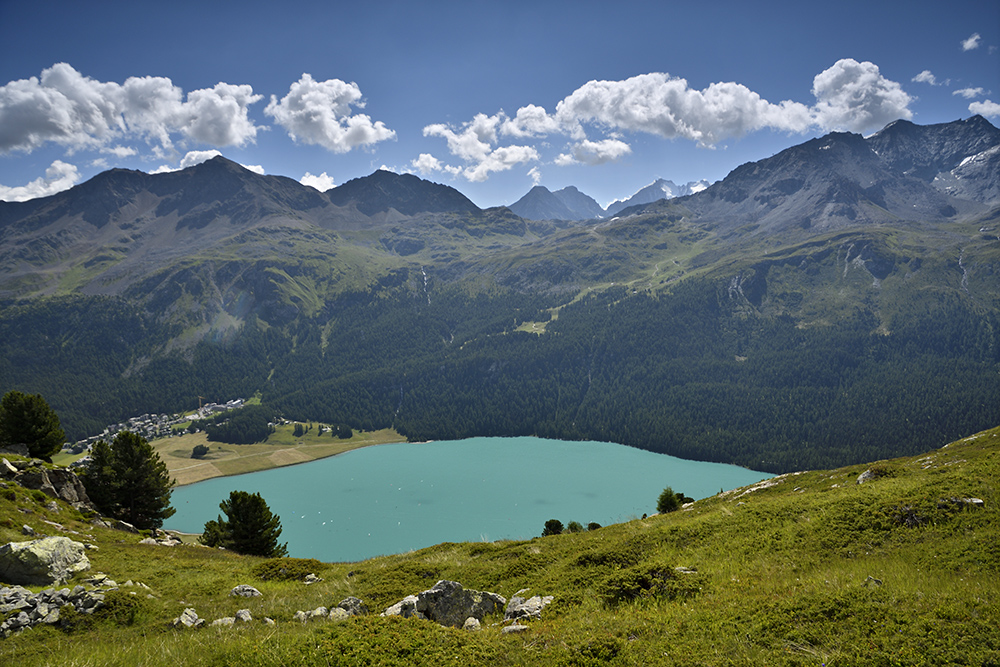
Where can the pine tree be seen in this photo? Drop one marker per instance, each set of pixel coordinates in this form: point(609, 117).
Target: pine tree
point(129, 481)
point(249, 527)
point(28, 420)
point(99, 479)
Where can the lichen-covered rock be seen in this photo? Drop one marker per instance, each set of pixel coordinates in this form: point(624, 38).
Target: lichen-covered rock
point(353, 606)
point(188, 619)
point(40, 562)
point(448, 603)
point(519, 607)
point(245, 591)
point(407, 607)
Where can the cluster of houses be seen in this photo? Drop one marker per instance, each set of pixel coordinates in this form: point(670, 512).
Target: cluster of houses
point(152, 426)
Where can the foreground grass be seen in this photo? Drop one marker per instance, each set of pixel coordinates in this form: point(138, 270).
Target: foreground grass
point(282, 448)
point(812, 570)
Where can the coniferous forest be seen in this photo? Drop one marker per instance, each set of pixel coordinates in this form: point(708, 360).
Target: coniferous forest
point(690, 372)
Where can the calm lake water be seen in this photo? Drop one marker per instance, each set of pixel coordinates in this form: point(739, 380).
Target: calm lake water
point(393, 498)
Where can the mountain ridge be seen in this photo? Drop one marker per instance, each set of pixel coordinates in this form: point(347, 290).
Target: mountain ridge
point(446, 323)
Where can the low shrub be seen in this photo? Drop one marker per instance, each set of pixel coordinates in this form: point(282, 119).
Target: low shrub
point(649, 581)
point(287, 569)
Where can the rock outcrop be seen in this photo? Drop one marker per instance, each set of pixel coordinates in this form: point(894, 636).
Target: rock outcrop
point(50, 560)
point(59, 483)
point(24, 609)
point(448, 603)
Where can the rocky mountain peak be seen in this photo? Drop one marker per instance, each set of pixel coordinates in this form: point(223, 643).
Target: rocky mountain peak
point(408, 194)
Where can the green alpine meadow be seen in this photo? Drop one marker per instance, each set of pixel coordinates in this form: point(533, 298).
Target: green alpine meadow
point(893, 562)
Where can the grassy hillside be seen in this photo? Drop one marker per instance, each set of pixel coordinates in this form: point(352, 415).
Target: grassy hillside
point(805, 569)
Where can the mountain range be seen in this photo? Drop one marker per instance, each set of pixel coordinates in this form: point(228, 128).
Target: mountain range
point(406, 305)
point(571, 204)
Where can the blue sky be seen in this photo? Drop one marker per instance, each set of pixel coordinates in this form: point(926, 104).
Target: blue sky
point(488, 97)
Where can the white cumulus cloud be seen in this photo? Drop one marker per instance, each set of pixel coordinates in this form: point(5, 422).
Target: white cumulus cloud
point(849, 95)
point(659, 104)
point(64, 107)
point(530, 121)
point(925, 77)
point(969, 93)
point(988, 108)
point(972, 42)
point(426, 164)
point(58, 177)
point(474, 144)
point(501, 159)
point(320, 113)
point(856, 97)
point(594, 152)
point(323, 182)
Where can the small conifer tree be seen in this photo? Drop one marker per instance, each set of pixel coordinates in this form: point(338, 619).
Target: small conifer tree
point(249, 527)
point(26, 419)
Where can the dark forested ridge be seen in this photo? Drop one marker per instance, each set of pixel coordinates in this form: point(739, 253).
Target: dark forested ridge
point(731, 325)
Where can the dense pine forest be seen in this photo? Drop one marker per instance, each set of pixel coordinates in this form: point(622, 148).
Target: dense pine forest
point(690, 372)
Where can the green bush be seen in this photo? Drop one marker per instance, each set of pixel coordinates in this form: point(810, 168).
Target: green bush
point(649, 581)
point(287, 569)
point(122, 608)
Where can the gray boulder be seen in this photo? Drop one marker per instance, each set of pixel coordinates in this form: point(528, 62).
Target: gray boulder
point(520, 608)
point(49, 560)
point(188, 619)
point(407, 608)
point(245, 591)
point(353, 606)
point(448, 603)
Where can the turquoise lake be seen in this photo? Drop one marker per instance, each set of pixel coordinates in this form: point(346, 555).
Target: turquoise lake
point(395, 498)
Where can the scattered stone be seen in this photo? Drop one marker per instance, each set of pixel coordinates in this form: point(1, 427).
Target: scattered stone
point(514, 629)
point(245, 591)
point(269, 621)
point(188, 619)
point(353, 606)
point(27, 530)
point(867, 476)
point(407, 608)
point(685, 570)
point(472, 624)
point(243, 616)
point(338, 614)
point(311, 579)
point(44, 561)
point(225, 622)
point(23, 609)
point(964, 503)
point(519, 608)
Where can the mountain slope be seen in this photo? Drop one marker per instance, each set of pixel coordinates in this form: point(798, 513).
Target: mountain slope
point(539, 203)
point(808, 568)
point(405, 193)
point(925, 151)
point(813, 308)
